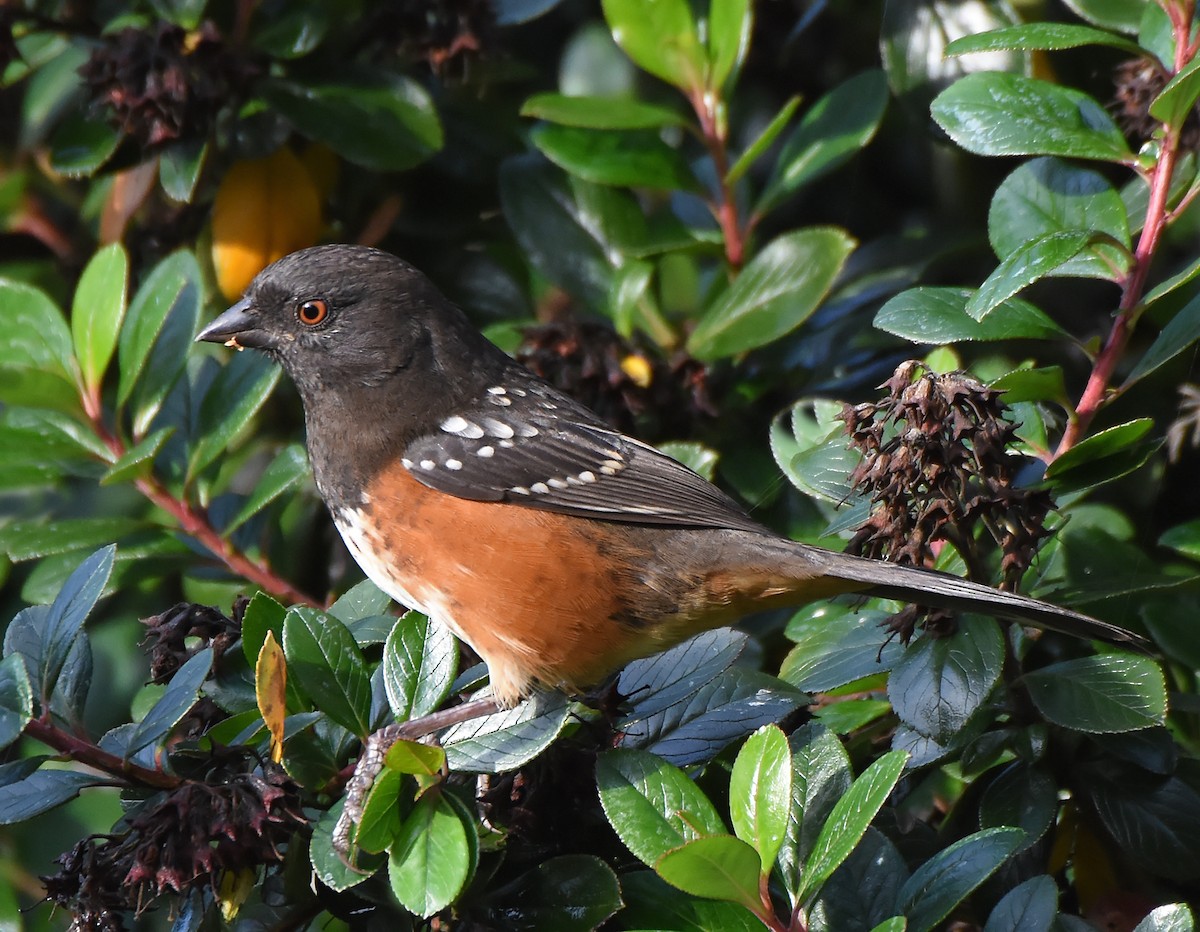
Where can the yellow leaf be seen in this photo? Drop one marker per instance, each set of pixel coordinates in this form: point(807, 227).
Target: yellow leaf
point(232, 891)
point(265, 208)
point(270, 683)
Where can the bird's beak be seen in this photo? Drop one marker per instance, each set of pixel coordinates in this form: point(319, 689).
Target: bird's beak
point(237, 327)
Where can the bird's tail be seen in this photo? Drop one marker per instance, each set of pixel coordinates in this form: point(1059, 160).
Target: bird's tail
point(941, 590)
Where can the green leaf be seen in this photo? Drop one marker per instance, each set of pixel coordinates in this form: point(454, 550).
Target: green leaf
point(836, 646)
point(327, 864)
point(716, 867)
point(1183, 538)
point(179, 168)
point(1181, 332)
point(760, 788)
point(600, 112)
point(1046, 196)
point(662, 680)
point(263, 614)
point(29, 540)
point(1175, 917)
point(1113, 452)
point(1119, 15)
point(821, 774)
point(763, 141)
point(652, 903)
point(994, 113)
point(1028, 907)
point(380, 822)
point(293, 32)
point(848, 821)
point(776, 292)
point(861, 894)
point(833, 129)
point(16, 699)
point(176, 701)
point(97, 311)
point(1040, 384)
point(1177, 100)
point(287, 470)
point(66, 616)
point(361, 601)
point(721, 711)
point(430, 862)
point(1107, 693)
point(652, 805)
point(328, 666)
point(81, 144)
point(23, 799)
point(631, 158)
point(232, 400)
point(728, 32)
point(419, 660)
point(1022, 796)
point(939, 315)
point(157, 334)
point(506, 740)
point(570, 893)
point(138, 461)
point(942, 882)
point(36, 352)
point(661, 37)
point(1029, 37)
point(1035, 258)
point(385, 122)
point(413, 757)
point(939, 683)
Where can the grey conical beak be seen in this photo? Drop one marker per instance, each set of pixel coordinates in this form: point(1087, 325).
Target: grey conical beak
point(237, 327)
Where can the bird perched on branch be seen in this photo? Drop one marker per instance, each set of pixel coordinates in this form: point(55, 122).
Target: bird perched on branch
point(473, 491)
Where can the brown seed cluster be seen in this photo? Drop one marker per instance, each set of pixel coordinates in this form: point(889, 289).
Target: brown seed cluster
point(634, 389)
point(163, 83)
point(1137, 83)
point(936, 468)
point(440, 32)
point(180, 841)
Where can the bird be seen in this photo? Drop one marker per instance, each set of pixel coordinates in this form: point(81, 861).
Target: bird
point(471, 490)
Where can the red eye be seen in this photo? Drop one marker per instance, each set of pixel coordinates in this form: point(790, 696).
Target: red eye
point(313, 311)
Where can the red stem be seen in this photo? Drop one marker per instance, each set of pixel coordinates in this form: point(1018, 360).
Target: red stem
point(1096, 392)
point(725, 208)
point(84, 752)
point(195, 523)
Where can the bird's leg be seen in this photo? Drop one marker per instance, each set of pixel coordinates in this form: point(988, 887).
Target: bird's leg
point(375, 750)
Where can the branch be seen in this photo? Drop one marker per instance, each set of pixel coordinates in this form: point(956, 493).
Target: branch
point(84, 752)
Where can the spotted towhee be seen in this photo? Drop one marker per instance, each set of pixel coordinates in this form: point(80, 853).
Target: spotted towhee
point(468, 488)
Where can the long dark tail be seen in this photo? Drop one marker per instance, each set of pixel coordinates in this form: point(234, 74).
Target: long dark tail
point(940, 590)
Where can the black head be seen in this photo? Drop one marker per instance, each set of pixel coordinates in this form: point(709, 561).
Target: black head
point(342, 319)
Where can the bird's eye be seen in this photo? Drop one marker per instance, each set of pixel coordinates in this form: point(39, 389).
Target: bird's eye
point(312, 312)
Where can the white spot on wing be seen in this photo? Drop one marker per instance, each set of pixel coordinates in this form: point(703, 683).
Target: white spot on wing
point(427, 464)
point(454, 464)
point(587, 476)
point(497, 428)
point(540, 487)
point(485, 452)
point(497, 390)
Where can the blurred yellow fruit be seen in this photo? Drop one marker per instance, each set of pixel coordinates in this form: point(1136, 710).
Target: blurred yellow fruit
point(639, 370)
point(265, 208)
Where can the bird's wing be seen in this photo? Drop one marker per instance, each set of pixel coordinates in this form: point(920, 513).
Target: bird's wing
point(531, 446)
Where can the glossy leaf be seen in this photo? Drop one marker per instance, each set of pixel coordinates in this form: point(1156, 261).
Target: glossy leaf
point(138, 461)
point(835, 647)
point(506, 740)
point(1034, 259)
point(653, 806)
point(66, 616)
point(40, 792)
point(1047, 196)
point(16, 699)
point(1048, 36)
point(614, 113)
point(1180, 332)
point(717, 867)
point(848, 821)
point(993, 113)
point(424, 760)
point(733, 704)
point(1178, 98)
point(380, 823)
point(629, 158)
point(652, 903)
point(97, 311)
point(1022, 796)
point(429, 863)
point(1107, 693)
point(1112, 452)
point(662, 680)
point(177, 699)
point(331, 869)
point(1175, 917)
point(728, 34)
point(327, 665)
point(381, 121)
point(287, 470)
point(419, 661)
point(236, 394)
point(775, 293)
point(763, 141)
point(832, 130)
point(760, 788)
point(81, 144)
point(939, 683)
point(942, 882)
point(661, 37)
point(569, 893)
point(1119, 15)
point(27, 540)
point(179, 168)
point(861, 894)
point(1028, 907)
point(939, 315)
point(36, 358)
